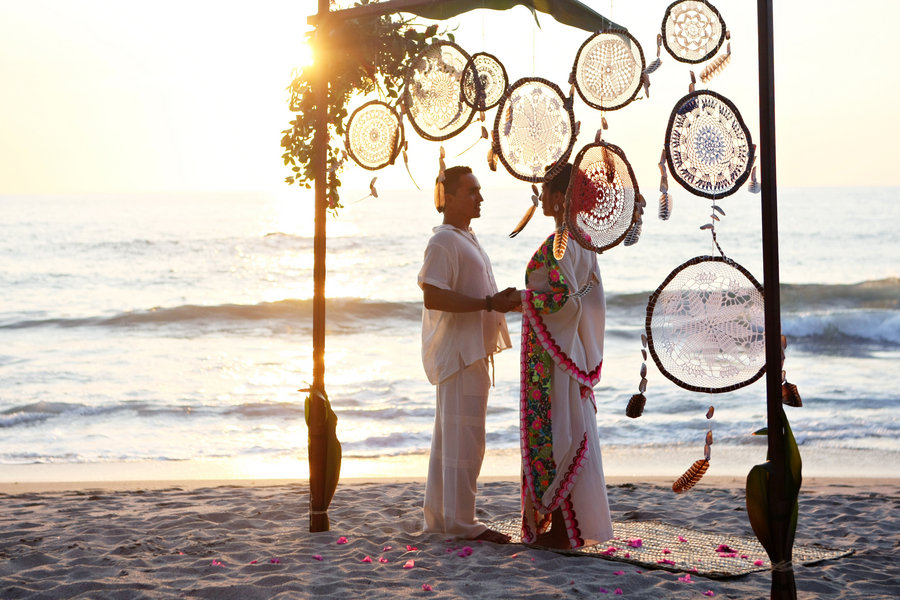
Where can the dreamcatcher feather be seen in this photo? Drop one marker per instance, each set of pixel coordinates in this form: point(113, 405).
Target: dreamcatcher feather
point(535, 199)
point(691, 476)
point(716, 66)
point(560, 242)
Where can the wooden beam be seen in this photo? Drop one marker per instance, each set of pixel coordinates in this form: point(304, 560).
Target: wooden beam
point(783, 585)
point(318, 515)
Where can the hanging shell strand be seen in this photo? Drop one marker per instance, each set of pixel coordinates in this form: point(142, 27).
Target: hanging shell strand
point(636, 404)
point(439, 186)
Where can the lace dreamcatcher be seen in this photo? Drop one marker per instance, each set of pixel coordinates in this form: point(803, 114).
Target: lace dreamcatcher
point(374, 135)
point(432, 93)
point(705, 326)
point(692, 30)
point(484, 81)
point(708, 147)
point(608, 69)
point(603, 202)
point(534, 128)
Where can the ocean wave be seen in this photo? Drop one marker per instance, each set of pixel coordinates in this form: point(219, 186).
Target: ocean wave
point(341, 314)
point(878, 326)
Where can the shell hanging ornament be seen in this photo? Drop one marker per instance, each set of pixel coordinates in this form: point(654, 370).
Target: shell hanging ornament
point(692, 30)
point(534, 127)
point(602, 199)
point(753, 187)
point(608, 69)
point(708, 147)
point(432, 92)
point(374, 135)
point(636, 404)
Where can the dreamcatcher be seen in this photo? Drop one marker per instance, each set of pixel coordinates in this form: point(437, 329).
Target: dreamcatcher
point(603, 202)
point(608, 69)
point(374, 135)
point(432, 93)
point(484, 81)
point(534, 127)
point(707, 146)
point(692, 30)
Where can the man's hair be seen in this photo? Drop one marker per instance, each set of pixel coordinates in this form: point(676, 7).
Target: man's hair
point(452, 177)
point(560, 181)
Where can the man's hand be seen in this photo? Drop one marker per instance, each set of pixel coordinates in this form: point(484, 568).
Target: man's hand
point(506, 300)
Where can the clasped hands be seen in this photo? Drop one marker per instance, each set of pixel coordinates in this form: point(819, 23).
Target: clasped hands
point(506, 300)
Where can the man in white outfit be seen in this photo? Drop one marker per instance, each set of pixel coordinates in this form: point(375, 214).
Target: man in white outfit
point(462, 328)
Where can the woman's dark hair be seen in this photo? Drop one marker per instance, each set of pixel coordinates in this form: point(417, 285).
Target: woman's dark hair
point(560, 181)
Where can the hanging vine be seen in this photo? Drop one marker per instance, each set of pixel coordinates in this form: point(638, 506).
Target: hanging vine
point(361, 56)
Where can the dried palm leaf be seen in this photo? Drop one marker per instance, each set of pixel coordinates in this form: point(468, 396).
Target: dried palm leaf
point(691, 476)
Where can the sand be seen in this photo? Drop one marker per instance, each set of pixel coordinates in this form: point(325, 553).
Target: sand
point(249, 539)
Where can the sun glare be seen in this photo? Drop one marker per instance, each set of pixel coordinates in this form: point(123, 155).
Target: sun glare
point(305, 56)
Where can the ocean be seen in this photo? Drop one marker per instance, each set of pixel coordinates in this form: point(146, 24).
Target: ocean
point(144, 329)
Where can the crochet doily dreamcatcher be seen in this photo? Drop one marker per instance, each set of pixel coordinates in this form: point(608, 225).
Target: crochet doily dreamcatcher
point(533, 129)
point(602, 200)
point(692, 30)
point(432, 93)
point(484, 81)
point(708, 146)
point(705, 326)
point(374, 135)
point(608, 69)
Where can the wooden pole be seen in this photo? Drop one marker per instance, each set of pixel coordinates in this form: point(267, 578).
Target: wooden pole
point(318, 515)
point(783, 585)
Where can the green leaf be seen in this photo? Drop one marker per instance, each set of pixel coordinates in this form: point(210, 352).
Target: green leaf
point(758, 504)
point(763, 431)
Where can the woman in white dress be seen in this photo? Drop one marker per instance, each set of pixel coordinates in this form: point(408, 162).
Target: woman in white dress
point(564, 502)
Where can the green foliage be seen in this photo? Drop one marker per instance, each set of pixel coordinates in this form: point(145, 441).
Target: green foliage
point(360, 56)
point(758, 491)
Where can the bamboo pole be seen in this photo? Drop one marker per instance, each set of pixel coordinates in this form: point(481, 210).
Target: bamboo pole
point(318, 515)
point(783, 584)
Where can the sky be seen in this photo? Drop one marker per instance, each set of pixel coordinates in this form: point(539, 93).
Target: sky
point(104, 96)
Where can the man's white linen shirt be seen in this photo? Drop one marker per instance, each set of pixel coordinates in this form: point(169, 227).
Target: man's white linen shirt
point(454, 260)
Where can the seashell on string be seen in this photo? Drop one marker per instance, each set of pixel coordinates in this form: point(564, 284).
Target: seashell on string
point(642, 386)
point(635, 406)
point(481, 116)
point(709, 438)
point(372, 189)
point(716, 208)
point(598, 137)
point(634, 234)
point(665, 206)
point(710, 412)
point(691, 476)
point(693, 83)
point(790, 395)
point(644, 340)
point(644, 370)
point(714, 217)
point(706, 226)
point(560, 241)
point(645, 82)
point(603, 123)
point(644, 353)
point(577, 129)
point(706, 451)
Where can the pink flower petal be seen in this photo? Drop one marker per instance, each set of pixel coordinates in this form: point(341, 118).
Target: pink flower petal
point(681, 539)
point(386, 548)
point(253, 562)
point(618, 592)
point(666, 551)
point(382, 559)
point(604, 591)
point(515, 555)
point(409, 564)
point(619, 573)
point(636, 543)
point(709, 593)
point(275, 561)
point(665, 561)
point(758, 563)
point(426, 587)
point(628, 555)
point(342, 540)
point(410, 548)
point(367, 559)
point(317, 556)
point(686, 578)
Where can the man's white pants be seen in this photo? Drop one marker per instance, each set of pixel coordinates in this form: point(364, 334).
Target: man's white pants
point(457, 451)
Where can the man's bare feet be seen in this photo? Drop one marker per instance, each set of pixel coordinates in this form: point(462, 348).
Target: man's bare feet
point(495, 537)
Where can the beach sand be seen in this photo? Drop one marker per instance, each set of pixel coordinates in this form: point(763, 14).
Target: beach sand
point(249, 539)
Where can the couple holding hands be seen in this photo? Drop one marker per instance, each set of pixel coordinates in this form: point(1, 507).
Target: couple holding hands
point(564, 503)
